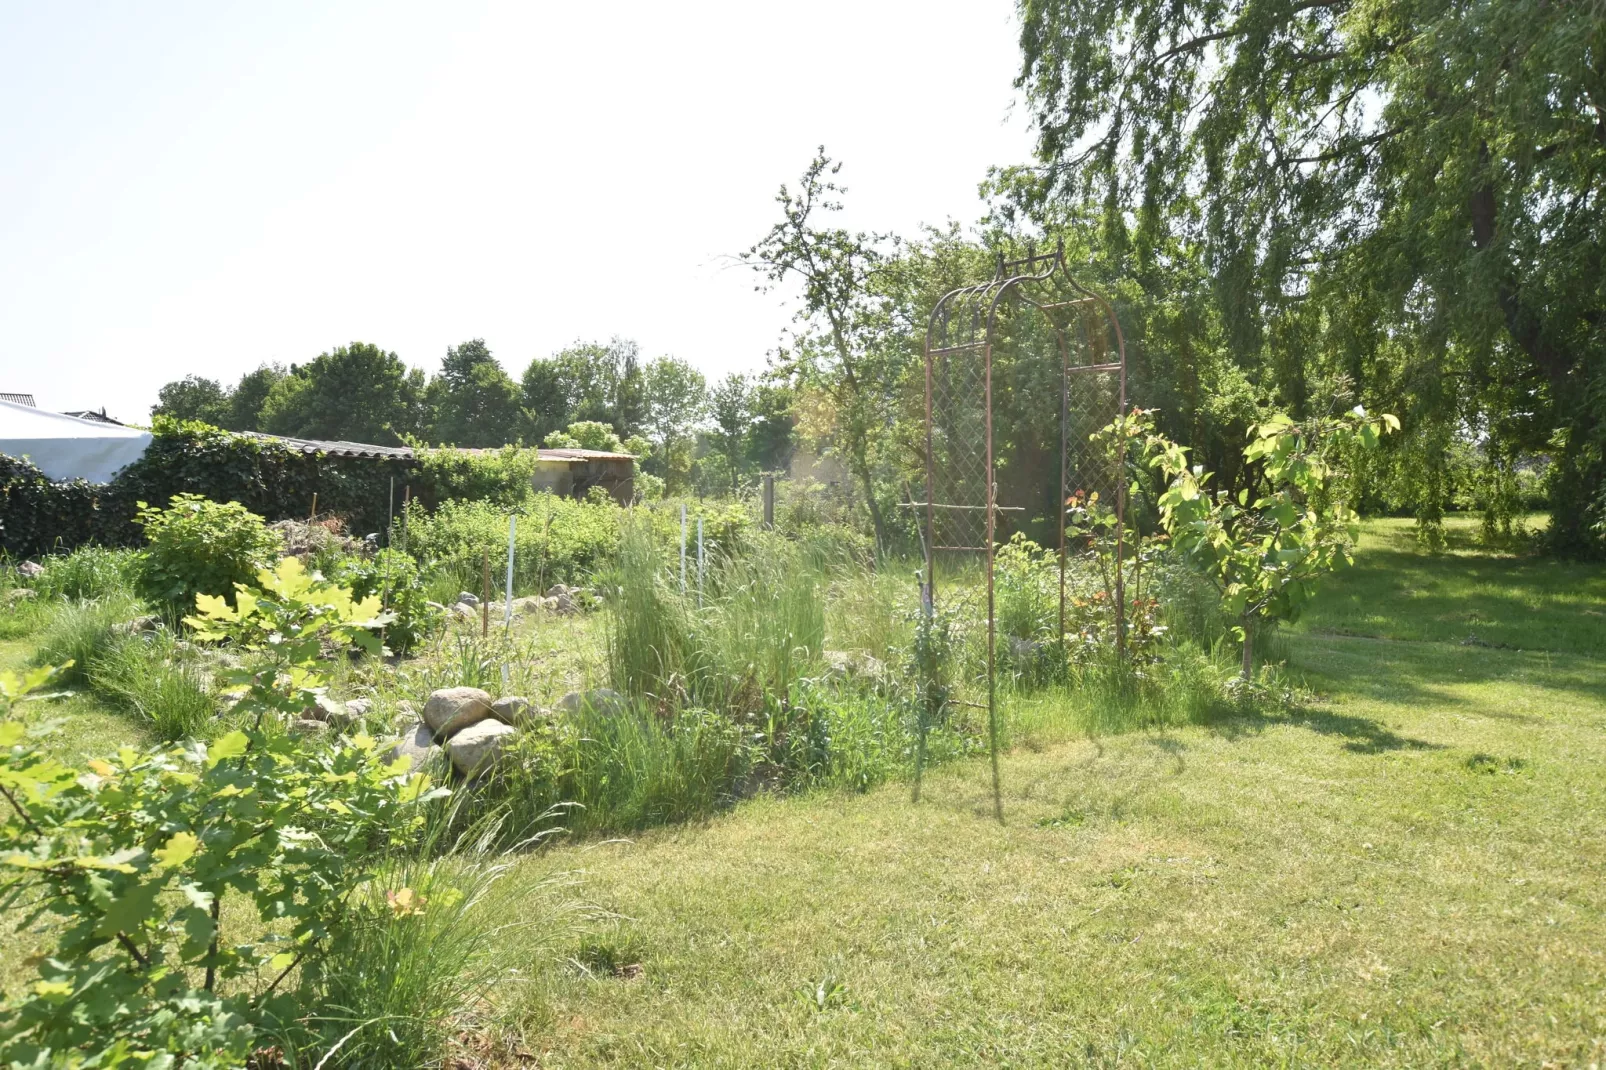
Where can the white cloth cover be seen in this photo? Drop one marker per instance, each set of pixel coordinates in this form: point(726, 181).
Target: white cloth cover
point(65, 447)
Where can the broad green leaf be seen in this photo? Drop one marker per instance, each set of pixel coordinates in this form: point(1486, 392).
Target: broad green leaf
point(177, 851)
point(231, 745)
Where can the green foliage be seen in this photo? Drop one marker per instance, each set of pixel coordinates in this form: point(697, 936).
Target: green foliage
point(149, 675)
point(1394, 193)
point(79, 632)
point(394, 577)
point(1266, 551)
point(89, 572)
point(472, 402)
point(193, 397)
point(559, 540)
point(356, 393)
point(501, 476)
point(196, 546)
point(588, 381)
point(585, 435)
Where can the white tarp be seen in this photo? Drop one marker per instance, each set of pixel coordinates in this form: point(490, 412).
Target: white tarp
point(65, 447)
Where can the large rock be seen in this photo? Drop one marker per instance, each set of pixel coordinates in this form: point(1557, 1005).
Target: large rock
point(359, 707)
point(529, 604)
point(475, 748)
point(464, 611)
point(150, 622)
point(306, 726)
point(20, 594)
point(30, 570)
point(418, 743)
point(466, 599)
point(849, 664)
point(600, 700)
point(452, 709)
point(511, 709)
point(328, 710)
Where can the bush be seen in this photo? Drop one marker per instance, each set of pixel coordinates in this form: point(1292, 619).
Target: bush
point(394, 577)
point(559, 540)
point(198, 546)
point(501, 476)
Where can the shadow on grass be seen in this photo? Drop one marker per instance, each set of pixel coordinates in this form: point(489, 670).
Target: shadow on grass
point(1361, 735)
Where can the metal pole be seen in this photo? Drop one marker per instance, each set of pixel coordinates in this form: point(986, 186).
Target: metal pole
point(683, 549)
point(485, 596)
point(992, 515)
point(507, 598)
point(390, 510)
point(769, 501)
point(1065, 463)
point(699, 562)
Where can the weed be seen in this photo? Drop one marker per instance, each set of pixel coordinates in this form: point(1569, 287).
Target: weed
point(81, 631)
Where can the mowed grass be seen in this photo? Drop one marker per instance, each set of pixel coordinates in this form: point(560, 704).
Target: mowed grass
point(1410, 871)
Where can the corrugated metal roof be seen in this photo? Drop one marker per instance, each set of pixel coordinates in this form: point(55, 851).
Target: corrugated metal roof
point(337, 448)
point(584, 455)
point(19, 399)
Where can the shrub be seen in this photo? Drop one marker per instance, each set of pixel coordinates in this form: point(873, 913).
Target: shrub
point(558, 540)
point(394, 577)
point(198, 546)
point(501, 476)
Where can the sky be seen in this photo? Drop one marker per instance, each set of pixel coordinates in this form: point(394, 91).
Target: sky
point(203, 187)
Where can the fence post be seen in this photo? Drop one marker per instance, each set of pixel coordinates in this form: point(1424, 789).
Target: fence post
point(390, 510)
point(769, 501)
point(699, 562)
point(683, 549)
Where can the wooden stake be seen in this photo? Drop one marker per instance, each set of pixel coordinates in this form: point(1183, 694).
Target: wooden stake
point(485, 600)
point(314, 514)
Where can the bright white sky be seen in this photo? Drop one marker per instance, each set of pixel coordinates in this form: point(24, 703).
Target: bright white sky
point(201, 187)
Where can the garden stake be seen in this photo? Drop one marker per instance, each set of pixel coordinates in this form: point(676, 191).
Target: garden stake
point(485, 597)
point(314, 514)
point(699, 562)
point(507, 596)
point(683, 550)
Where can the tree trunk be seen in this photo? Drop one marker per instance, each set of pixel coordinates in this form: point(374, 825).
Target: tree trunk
point(861, 466)
point(1247, 672)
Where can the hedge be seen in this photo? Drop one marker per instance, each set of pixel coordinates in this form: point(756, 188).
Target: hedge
point(39, 515)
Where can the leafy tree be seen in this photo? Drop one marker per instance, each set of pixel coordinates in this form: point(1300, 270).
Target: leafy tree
point(1268, 546)
point(586, 381)
point(677, 400)
point(193, 397)
point(249, 395)
point(842, 320)
point(358, 393)
point(730, 405)
point(769, 437)
point(1402, 193)
point(586, 435)
point(472, 402)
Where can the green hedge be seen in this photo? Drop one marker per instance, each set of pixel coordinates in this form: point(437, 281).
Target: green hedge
point(39, 515)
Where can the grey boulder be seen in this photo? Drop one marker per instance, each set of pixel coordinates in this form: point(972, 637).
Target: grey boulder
point(599, 700)
point(452, 709)
point(475, 748)
point(511, 709)
point(418, 744)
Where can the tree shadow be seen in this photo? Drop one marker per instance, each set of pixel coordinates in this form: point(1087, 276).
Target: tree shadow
point(1361, 735)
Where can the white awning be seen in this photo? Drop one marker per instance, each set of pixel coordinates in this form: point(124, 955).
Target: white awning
point(65, 447)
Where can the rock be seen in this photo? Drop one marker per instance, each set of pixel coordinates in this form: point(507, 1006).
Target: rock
point(563, 603)
point(452, 709)
point(150, 622)
point(464, 611)
point(30, 570)
point(527, 605)
point(600, 700)
point(843, 664)
point(359, 707)
point(20, 594)
point(474, 748)
point(466, 599)
point(306, 726)
point(328, 710)
point(511, 709)
point(557, 590)
point(1023, 649)
point(417, 743)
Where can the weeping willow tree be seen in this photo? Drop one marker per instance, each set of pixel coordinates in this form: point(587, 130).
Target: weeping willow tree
point(1399, 195)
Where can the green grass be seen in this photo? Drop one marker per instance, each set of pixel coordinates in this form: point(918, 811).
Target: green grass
point(1466, 595)
point(1409, 870)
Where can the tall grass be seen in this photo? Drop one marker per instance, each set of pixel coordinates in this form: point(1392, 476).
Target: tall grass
point(82, 631)
point(438, 933)
point(89, 572)
point(149, 676)
point(757, 625)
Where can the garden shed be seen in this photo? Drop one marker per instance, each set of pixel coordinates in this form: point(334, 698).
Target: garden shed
point(570, 473)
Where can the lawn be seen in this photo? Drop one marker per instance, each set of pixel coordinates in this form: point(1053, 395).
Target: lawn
point(1410, 870)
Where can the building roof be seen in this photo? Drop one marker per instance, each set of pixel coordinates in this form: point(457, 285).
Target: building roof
point(19, 399)
point(584, 455)
point(65, 447)
point(338, 448)
point(99, 416)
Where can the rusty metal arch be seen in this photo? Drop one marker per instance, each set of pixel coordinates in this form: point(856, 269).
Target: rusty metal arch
point(961, 510)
